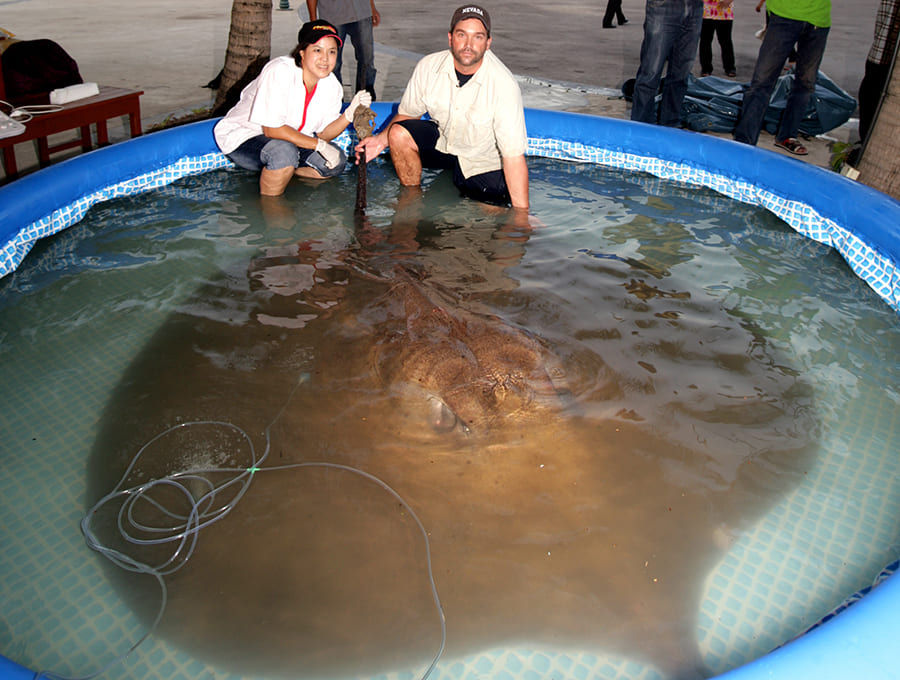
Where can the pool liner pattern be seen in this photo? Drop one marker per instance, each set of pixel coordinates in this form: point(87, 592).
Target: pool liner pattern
point(15, 250)
point(879, 271)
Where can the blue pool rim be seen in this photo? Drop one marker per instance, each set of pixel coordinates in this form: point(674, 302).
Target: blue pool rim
point(863, 225)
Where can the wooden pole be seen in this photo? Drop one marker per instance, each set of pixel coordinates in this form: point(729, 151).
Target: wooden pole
point(361, 179)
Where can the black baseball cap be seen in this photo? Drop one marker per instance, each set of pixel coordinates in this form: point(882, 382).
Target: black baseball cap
point(313, 31)
point(471, 12)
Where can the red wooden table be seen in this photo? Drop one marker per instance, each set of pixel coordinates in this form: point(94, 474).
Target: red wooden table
point(111, 102)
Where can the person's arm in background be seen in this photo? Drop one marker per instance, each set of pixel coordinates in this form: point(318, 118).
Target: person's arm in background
point(376, 17)
point(313, 7)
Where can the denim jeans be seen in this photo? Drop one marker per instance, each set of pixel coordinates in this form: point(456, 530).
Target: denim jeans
point(272, 154)
point(361, 35)
point(781, 35)
point(671, 34)
point(275, 154)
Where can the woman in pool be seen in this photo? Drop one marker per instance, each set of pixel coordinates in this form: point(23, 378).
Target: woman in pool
point(286, 118)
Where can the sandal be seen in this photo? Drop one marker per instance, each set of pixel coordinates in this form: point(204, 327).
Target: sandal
point(792, 145)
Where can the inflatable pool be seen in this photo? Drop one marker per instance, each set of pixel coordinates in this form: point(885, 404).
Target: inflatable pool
point(860, 223)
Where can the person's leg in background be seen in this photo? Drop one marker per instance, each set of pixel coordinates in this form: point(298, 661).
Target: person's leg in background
point(810, 49)
point(723, 35)
point(681, 60)
point(363, 39)
point(706, 37)
point(661, 24)
point(342, 34)
point(613, 10)
point(781, 34)
point(870, 89)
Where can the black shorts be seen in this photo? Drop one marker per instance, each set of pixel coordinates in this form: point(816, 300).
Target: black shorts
point(488, 187)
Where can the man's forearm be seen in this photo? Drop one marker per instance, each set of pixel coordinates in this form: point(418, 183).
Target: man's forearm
point(515, 171)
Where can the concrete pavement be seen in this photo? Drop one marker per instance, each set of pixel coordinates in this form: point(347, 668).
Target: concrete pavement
point(171, 48)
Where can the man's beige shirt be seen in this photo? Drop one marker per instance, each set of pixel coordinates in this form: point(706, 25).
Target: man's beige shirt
point(479, 122)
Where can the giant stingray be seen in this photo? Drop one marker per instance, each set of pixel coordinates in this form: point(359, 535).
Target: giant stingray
point(576, 483)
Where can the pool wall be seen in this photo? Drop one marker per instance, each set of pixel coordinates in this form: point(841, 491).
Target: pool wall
point(863, 225)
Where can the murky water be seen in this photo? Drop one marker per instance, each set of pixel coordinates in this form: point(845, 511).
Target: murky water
point(585, 410)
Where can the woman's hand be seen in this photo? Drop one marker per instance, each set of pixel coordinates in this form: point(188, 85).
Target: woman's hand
point(361, 98)
point(329, 152)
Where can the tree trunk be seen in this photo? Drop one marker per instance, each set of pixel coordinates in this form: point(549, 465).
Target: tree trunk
point(880, 165)
point(249, 49)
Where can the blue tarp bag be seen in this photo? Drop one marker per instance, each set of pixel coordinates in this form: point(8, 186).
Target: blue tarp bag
point(714, 104)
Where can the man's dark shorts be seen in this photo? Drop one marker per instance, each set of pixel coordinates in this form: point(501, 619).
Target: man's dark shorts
point(488, 187)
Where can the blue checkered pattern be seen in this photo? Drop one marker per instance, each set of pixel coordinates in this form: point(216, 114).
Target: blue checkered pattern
point(17, 248)
point(878, 271)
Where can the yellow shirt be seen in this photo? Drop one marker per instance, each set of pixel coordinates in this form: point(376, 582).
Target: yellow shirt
point(479, 122)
